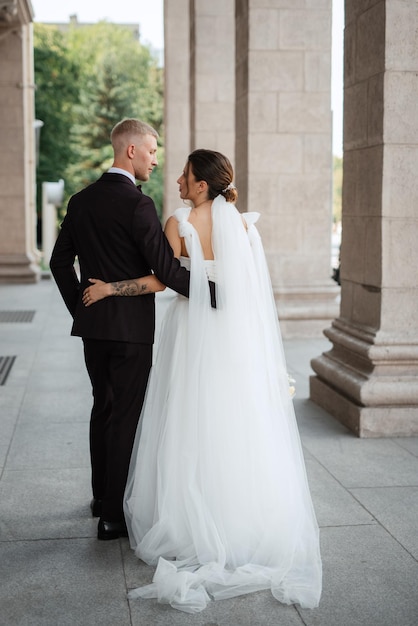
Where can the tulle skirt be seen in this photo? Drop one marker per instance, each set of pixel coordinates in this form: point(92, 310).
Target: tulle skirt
point(217, 496)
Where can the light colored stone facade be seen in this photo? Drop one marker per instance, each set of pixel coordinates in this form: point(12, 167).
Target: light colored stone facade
point(369, 378)
point(199, 85)
point(18, 255)
point(255, 84)
point(287, 141)
point(251, 78)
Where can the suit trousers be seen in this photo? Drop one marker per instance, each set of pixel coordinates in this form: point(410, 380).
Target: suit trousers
point(118, 373)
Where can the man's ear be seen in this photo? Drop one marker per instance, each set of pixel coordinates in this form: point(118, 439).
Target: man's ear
point(131, 151)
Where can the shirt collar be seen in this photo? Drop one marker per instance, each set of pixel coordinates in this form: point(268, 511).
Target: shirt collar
point(119, 170)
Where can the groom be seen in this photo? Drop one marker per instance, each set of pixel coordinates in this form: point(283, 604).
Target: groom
point(115, 232)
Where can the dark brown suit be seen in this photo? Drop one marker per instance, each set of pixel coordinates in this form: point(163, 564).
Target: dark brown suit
point(115, 232)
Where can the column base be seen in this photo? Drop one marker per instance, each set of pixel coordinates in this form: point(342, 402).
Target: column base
point(305, 313)
point(368, 382)
point(18, 269)
point(365, 422)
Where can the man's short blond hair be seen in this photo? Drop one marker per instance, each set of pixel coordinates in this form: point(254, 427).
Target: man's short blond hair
point(125, 131)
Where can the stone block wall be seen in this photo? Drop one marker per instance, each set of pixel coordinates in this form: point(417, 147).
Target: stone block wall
point(18, 255)
point(283, 148)
point(199, 84)
point(369, 378)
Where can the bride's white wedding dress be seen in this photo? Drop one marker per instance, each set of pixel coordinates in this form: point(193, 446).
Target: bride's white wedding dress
point(217, 496)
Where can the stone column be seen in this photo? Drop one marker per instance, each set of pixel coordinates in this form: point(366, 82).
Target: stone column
point(177, 106)
point(213, 79)
point(273, 120)
point(283, 150)
point(18, 255)
point(199, 84)
point(369, 378)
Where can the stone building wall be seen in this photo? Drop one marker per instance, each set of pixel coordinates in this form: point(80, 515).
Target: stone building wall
point(252, 79)
point(18, 254)
point(369, 377)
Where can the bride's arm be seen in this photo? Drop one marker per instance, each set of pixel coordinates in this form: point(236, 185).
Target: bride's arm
point(171, 231)
point(130, 287)
point(133, 286)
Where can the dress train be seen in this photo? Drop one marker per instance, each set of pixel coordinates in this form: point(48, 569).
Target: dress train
point(217, 495)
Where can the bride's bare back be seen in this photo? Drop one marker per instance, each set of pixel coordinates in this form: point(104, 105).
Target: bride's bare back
point(201, 219)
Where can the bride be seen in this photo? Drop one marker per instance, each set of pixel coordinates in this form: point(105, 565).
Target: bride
point(217, 496)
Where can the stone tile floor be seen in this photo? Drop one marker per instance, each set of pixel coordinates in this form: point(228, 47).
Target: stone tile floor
point(54, 572)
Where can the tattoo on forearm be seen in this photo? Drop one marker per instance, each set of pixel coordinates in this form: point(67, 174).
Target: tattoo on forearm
point(125, 288)
point(129, 288)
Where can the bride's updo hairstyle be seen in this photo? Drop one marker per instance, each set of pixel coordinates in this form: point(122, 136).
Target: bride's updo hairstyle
point(216, 170)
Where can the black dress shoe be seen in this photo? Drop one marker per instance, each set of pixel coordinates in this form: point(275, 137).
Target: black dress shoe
point(111, 530)
point(96, 507)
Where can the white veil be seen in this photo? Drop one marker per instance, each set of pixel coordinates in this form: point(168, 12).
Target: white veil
point(217, 478)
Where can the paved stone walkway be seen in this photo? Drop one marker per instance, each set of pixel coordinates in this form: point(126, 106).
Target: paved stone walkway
point(54, 572)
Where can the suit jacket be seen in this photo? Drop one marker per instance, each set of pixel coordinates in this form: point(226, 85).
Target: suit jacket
point(114, 230)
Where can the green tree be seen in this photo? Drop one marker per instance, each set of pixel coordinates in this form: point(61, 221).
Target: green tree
point(118, 78)
point(55, 97)
point(88, 79)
